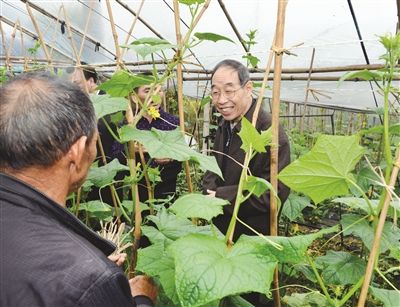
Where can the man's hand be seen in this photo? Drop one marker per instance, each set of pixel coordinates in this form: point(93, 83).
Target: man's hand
point(211, 193)
point(119, 259)
point(143, 285)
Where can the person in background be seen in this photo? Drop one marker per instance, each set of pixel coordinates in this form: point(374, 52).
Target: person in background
point(161, 120)
point(48, 133)
point(86, 77)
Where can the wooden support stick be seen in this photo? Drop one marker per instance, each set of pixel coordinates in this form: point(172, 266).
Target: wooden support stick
point(132, 27)
point(307, 92)
point(115, 36)
point(39, 33)
point(86, 28)
point(279, 34)
point(179, 77)
point(378, 233)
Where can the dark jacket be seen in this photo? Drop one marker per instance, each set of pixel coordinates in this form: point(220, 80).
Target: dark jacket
point(255, 211)
point(49, 258)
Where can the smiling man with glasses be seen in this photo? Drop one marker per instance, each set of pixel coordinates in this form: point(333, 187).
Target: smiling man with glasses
point(231, 92)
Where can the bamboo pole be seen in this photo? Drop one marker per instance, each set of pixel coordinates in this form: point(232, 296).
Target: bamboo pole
point(11, 44)
point(378, 233)
point(75, 51)
point(3, 40)
point(55, 32)
point(23, 47)
point(86, 28)
point(307, 91)
point(39, 33)
point(180, 87)
point(115, 35)
point(132, 27)
point(280, 28)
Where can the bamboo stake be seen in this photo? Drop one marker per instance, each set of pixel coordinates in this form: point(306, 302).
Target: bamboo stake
point(75, 51)
point(307, 91)
point(55, 31)
point(3, 40)
point(23, 47)
point(280, 28)
point(132, 27)
point(9, 51)
point(39, 33)
point(86, 28)
point(180, 87)
point(378, 233)
point(115, 36)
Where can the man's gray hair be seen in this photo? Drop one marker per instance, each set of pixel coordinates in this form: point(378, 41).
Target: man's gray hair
point(41, 116)
point(242, 70)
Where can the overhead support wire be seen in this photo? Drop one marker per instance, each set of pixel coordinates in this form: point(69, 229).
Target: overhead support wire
point(73, 30)
point(364, 50)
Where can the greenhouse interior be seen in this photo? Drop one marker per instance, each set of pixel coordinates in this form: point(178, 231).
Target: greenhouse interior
point(200, 153)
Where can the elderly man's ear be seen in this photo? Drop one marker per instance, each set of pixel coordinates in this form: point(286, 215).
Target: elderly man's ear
point(76, 153)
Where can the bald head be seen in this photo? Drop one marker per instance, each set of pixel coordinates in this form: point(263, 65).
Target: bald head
point(41, 116)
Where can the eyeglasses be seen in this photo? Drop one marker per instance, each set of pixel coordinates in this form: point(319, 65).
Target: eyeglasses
point(228, 94)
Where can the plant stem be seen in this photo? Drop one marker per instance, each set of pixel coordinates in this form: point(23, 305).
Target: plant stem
point(320, 281)
point(371, 209)
point(351, 292)
point(385, 279)
point(232, 223)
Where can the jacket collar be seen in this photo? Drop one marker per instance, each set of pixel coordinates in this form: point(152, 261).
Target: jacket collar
point(36, 200)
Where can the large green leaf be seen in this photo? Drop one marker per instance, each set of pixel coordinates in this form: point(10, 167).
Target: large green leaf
point(251, 137)
point(105, 104)
point(208, 36)
point(323, 172)
point(98, 209)
point(101, 176)
point(170, 228)
point(363, 229)
point(341, 268)
point(389, 298)
point(393, 129)
point(148, 45)
point(123, 82)
point(294, 206)
point(215, 271)
point(310, 299)
point(198, 206)
point(169, 144)
point(155, 262)
point(293, 249)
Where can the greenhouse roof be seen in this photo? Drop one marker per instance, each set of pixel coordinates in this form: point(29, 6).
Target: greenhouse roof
point(338, 32)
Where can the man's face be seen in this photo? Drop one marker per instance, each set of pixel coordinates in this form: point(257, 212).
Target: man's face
point(230, 98)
